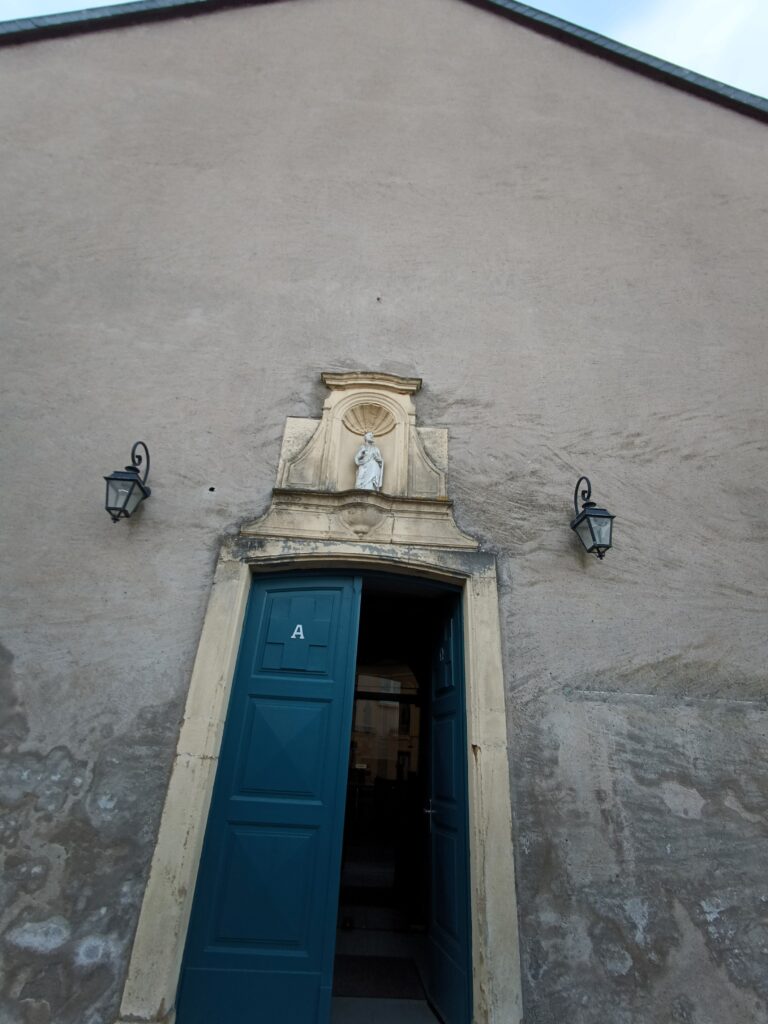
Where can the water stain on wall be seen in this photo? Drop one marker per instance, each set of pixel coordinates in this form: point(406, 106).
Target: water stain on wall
point(76, 840)
point(640, 825)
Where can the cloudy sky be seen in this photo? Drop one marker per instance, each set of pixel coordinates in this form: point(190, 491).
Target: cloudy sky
point(725, 39)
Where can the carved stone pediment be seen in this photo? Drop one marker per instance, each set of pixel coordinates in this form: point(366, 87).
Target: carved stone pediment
point(362, 515)
point(315, 496)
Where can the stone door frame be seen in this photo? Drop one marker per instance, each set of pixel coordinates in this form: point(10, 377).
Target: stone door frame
point(150, 988)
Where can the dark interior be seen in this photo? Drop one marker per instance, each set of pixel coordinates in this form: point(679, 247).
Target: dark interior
point(384, 892)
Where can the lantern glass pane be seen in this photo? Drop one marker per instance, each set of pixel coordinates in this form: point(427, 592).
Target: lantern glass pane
point(585, 534)
point(118, 494)
point(134, 498)
point(601, 528)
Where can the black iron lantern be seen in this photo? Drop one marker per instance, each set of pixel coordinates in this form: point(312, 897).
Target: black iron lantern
point(125, 490)
point(593, 525)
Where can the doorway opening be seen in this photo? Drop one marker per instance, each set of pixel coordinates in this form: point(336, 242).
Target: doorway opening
point(382, 966)
point(232, 623)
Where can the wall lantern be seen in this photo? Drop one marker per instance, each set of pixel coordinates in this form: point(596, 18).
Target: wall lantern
point(593, 525)
point(125, 491)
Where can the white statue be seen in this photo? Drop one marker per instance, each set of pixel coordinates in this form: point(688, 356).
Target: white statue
point(370, 465)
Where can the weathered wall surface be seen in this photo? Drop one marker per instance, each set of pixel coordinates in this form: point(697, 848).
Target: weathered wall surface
point(201, 215)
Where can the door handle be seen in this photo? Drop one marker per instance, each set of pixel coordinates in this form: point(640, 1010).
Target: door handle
point(429, 811)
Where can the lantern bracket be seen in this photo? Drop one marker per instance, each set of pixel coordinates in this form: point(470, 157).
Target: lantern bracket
point(586, 494)
point(137, 459)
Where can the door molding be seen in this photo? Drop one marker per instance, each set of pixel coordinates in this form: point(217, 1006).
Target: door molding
point(150, 987)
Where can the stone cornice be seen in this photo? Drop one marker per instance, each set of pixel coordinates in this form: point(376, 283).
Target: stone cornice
point(362, 515)
point(372, 378)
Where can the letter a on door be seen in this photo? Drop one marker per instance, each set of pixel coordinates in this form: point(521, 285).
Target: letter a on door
point(261, 937)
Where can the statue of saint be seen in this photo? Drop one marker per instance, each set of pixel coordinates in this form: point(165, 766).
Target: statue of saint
point(370, 465)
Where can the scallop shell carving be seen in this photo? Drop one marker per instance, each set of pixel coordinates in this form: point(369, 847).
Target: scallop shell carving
point(368, 416)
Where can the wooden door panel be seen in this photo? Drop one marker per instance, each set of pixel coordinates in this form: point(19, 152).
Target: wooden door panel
point(250, 909)
point(446, 893)
point(285, 748)
point(261, 937)
point(298, 634)
point(445, 784)
point(450, 963)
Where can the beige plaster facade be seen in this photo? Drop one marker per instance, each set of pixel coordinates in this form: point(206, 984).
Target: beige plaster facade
point(199, 217)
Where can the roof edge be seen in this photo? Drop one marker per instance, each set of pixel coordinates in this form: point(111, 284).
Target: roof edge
point(95, 19)
point(25, 30)
point(635, 60)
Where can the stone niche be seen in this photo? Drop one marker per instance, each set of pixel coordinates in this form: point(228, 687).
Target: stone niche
point(315, 496)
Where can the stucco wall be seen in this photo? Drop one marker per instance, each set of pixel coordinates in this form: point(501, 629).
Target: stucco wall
point(198, 217)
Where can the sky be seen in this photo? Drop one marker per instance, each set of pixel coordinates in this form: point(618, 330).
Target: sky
point(724, 39)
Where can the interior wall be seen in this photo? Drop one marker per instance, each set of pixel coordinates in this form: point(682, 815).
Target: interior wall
point(199, 217)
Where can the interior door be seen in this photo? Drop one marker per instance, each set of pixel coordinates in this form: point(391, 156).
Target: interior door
point(449, 941)
point(261, 938)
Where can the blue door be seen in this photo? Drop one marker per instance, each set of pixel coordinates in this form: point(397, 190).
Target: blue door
point(449, 937)
point(261, 938)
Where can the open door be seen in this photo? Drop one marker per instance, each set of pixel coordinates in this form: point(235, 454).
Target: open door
point(261, 938)
point(450, 963)
point(404, 922)
point(262, 935)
